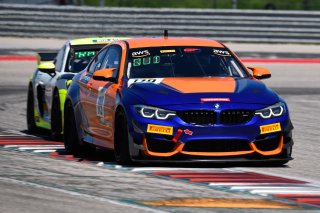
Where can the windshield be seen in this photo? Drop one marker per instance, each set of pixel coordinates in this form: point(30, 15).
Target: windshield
point(80, 56)
point(183, 61)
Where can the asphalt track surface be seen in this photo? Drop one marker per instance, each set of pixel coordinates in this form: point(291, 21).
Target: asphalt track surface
point(36, 182)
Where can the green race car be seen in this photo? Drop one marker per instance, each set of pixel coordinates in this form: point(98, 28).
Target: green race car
point(49, 82)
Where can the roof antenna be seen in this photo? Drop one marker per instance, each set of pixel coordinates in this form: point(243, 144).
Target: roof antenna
point(165, 34)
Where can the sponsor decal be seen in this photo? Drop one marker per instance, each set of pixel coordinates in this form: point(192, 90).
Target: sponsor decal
point(141, 53)
point(167, 51)
point(188, 132)
point(214, 99)
point(192, 50)
point(104, 40)
point(276, 127)
point(164, 130)
point(84, 54)
point(100, 104)
point(221, 52)
point(146, 61)
point(144, 80)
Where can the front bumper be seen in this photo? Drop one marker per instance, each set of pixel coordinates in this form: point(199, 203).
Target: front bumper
point(239, 161)
point(213, 142)
point(179, 149)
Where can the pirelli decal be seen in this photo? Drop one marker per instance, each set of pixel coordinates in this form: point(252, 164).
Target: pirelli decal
point(276, 127)
point(164, 130)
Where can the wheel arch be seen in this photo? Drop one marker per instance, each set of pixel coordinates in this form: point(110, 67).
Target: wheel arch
point(77, 115)
point(119, 108)
point(134, 152)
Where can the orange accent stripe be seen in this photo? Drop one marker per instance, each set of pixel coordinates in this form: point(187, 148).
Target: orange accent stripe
point(147, 152)
point(276, 151)
point(179, 147)
point(199, 85)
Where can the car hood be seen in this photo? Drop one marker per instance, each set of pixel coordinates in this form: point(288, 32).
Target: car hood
point(171, 91)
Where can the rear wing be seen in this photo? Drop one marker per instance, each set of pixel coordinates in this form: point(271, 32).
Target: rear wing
point(47, 56)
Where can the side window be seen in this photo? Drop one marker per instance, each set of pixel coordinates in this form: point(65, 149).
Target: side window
point(97, 61)
point(59, 59)
point(112, 59)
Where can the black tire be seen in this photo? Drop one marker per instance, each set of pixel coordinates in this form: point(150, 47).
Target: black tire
point(56, 118)
point(30, 111)
point(121, 140)
point(71, 138)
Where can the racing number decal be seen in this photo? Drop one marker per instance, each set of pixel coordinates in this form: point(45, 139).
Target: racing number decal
point(146, 61)
point(100, 104)
point(101, 98)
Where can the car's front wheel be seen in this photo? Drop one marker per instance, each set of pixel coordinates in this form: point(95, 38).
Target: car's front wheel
point(30, 111)
point(121, 140)
point(56, 118)
point(71, 138)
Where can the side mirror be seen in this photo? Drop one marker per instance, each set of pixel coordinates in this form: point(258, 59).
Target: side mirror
point(104, 75)
point(260, 72)
point(47, 67)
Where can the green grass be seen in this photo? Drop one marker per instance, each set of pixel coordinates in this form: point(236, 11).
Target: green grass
point(221, 4)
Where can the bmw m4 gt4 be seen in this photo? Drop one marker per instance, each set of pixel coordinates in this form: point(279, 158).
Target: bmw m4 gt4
point(176, 99)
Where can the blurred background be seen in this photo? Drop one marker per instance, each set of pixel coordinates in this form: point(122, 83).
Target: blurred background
point(215, 4)
point(254, 21)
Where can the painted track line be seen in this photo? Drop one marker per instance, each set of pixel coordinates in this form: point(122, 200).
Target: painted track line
point(269, 187)
point(17, 146)
point(44, 150)
point(40, 147)
point(260, 184)
point(70, 192)
point(229, 179)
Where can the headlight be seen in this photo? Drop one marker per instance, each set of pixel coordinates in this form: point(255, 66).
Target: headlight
point(153, 112)
point(272, 111)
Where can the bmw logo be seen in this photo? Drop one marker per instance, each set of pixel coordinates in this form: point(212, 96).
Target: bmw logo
point(217, 106)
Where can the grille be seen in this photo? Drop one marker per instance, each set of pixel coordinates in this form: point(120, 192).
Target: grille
point(235, 116)
point(267, 144)
point(198, 116)
point(216, 146)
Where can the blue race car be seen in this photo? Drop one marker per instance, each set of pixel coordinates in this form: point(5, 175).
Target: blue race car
point(176, 99)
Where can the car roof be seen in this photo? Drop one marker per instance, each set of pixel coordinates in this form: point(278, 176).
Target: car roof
point(94, 40)
point(174, 41)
